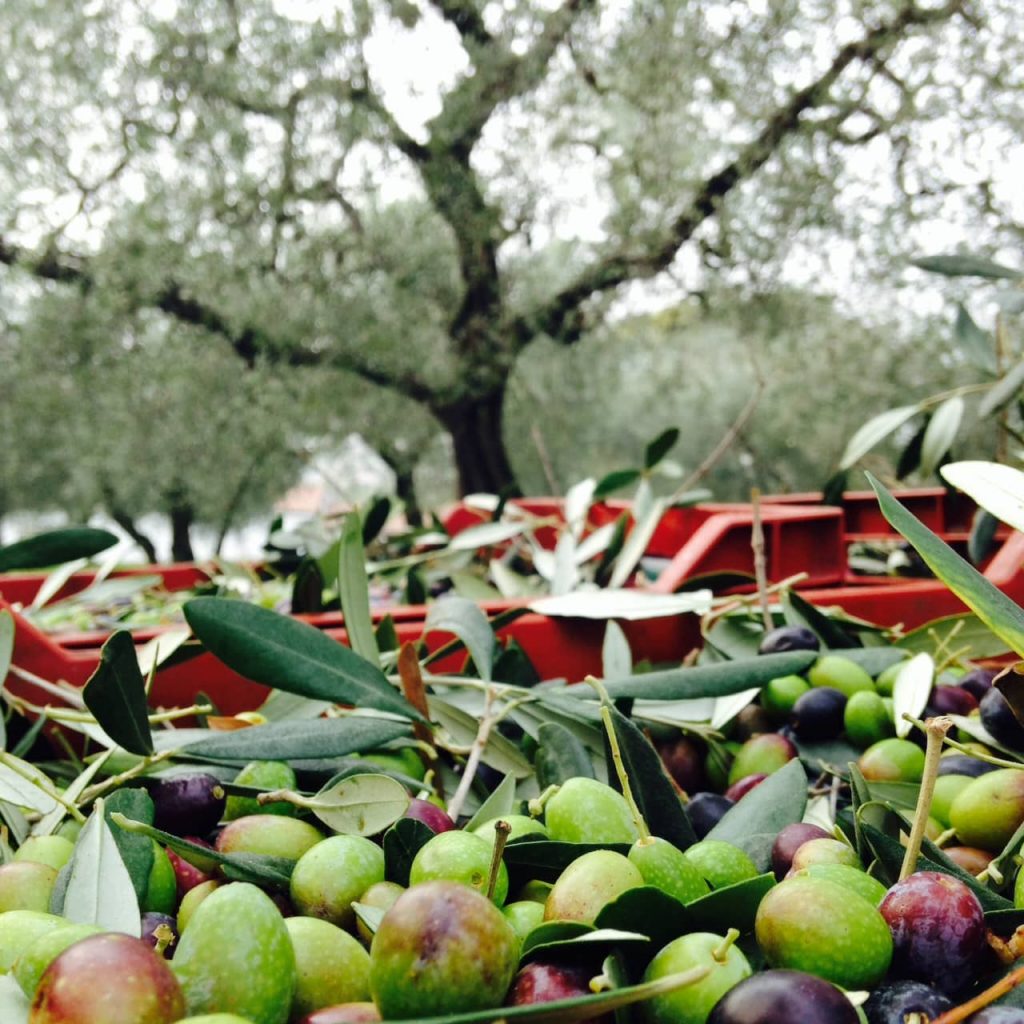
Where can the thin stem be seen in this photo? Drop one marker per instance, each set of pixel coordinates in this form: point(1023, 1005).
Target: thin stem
point(66, 693)
point(734, 604)
point(620, 771)
point(114, 781)
point(501, 831)
point(473, 761)
point(721, 951)
point(999, 762)
point(935, 731)
point(760, 568)
point(960, 1013)
point(42, 783)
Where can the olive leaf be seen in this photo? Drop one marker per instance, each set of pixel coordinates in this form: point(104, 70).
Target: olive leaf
point(560, 756)
point(290, 655)
point(291, 740)
point(115, 694)
point(998, 611)
point(502, 800)
point(354, 590)
point(464, 618)
point(99, 888)
point(136, 850)
point(757, 819)
point(401, 844)
point(54, 547)
point(910, 691)
point(359, 805)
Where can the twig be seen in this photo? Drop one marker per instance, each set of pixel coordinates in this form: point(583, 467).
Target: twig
point(42, 783)
point(114, 781)
point(724, 443)
point(475, 753)
point(760, 569)
point(741, 602)
point(960, 1013)
point(935, 730)
point(69, 694)
point(501, 833)
point(415, 692)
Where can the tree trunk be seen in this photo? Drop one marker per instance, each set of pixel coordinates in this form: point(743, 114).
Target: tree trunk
point(475, 425)
point(182, 517)
point(127, 524)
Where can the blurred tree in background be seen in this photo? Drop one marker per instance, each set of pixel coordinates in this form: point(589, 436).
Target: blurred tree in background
point(209, 209)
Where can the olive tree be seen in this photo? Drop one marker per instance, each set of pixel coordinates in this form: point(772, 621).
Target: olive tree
point(419, 192)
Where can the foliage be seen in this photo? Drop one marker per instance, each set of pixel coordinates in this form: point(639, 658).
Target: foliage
point(278, 182)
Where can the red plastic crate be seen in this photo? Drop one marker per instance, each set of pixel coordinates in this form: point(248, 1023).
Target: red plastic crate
point(714, 538)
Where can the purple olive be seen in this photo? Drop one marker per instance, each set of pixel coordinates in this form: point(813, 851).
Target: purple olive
point(160, 931)
point(188, 804)
point(430, 814)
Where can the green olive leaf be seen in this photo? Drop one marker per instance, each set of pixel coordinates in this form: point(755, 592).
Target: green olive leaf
point(732, 906)
point(115, 694)
point(55, 547)
point(290, 655)
point(998, 611)
point(360, 805)
point(401, 844)
point(649, 911)
point(757, 819)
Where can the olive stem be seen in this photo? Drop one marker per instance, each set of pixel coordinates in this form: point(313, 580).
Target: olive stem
point(760, 565)
point(501, 831)
point(935, 731)
point(620, 771)
point(42, 783)
point(960, 1013)
point(536, 806)
point(99, 788)
point(475, 753)
point(999, 762)
point(721, 952)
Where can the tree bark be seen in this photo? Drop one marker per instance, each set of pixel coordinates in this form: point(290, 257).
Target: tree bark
point(182, 515)
point(475, 425)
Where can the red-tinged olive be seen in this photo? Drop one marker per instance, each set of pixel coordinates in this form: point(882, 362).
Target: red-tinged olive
point(344, 1013)
point(950, 700)
point(108, 979)
point(683, 759)
point(188, 804)
point(544, 982)
point(187, 875)
point(971, 858)
point(789, 840)
point(430, 814)
point(739, 789)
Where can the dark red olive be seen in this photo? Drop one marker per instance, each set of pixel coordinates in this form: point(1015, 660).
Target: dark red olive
point(818, 713)
point(950, 700)
point(738, 790)
point(430, 814)
point(705, 810)
point(978, 681)
point(789, 840)
point(783, 997)
point(160, 929)
point(188, 804)
point(1000, 721)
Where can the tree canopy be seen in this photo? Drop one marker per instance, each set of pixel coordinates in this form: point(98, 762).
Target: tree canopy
point(416, 192)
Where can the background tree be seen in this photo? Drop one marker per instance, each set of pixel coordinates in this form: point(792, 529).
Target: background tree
point(268, 178)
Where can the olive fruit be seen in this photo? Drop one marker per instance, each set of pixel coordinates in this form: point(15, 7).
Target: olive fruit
point(430, 814)
point(331, 966)
point(988, 811)
point(705, 810)
point(236, 955)
point(587, 811)
point(950, 700)
point(938, 929)
point(459, 857)
point(52, 850)
point(1000, 721)
point(188, 804)
point(839, 673)
point(542, 981)
point(692, 1003)
point(265, 775)
point(588, 883)
point(441, 949)
point(789, 638)
point(665, 867)
point(344, 1013)
point(962, 764)
point(160, 931)
point(683, 759)
point(978, 681)
point(789, 840)
point(764, 753)
point(892, 760)
point(771, 997)
point(332, 874)
point(894, 1001)
point(269, 834)
point(26, 885)
point(815, 925)
point(825, 851)
point(818, 714)
point(20, 928)
point(720, 862)
point(108, 979)
point(738, 790)
point(866, 719)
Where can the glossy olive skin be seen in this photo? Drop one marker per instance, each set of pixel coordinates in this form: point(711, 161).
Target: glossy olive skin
point(818, 714)
point(188, 804)
point(783, 997)
point(789, 840)
point(1000, 721)
point(961, 764)
point(891, 1002)
point(705, 810)
point(938, 930)
point(789, 638)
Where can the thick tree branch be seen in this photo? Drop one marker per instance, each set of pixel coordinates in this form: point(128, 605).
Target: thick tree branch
point(562, 318)
point(464, 15)
point(250, 344)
